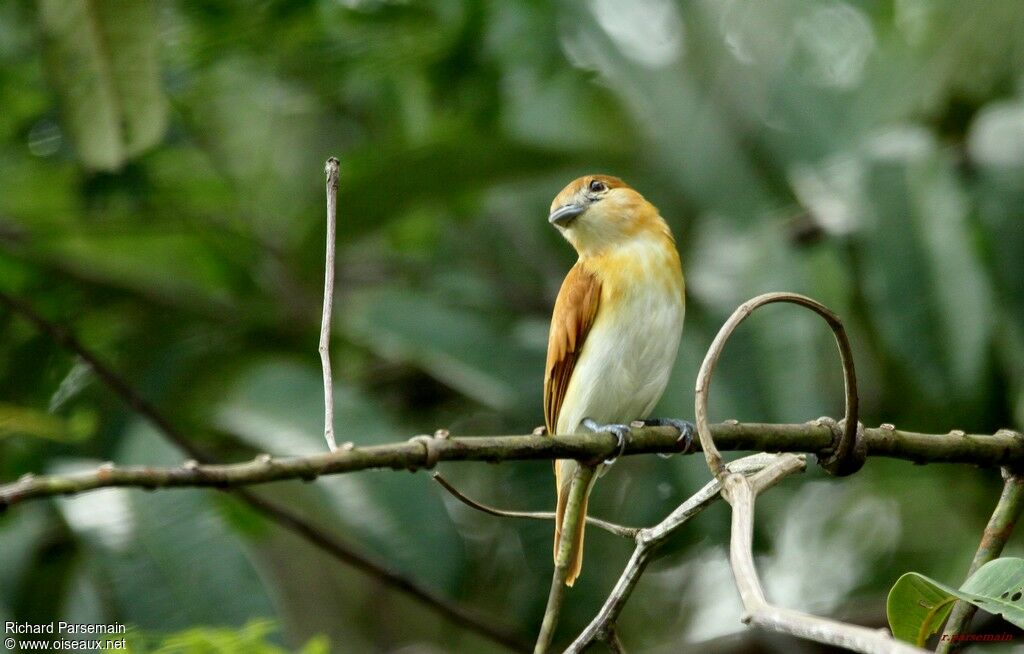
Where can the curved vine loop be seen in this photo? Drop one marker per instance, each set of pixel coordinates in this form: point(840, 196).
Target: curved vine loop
point(848, 450)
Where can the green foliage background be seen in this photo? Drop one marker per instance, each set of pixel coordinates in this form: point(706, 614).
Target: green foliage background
point(161, 193)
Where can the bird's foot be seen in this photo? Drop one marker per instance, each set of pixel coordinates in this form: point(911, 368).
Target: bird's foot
point(621, 433)
point(685, 428)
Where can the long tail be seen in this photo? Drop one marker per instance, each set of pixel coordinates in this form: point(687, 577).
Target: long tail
point(565, 470)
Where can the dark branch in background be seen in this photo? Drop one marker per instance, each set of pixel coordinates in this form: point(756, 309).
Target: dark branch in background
point(610, 527)
point(67, 340)
point(277, 514)
point(994, 538)
point(1005, 447)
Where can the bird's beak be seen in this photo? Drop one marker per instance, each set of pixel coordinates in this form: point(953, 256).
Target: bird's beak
point(565, 214)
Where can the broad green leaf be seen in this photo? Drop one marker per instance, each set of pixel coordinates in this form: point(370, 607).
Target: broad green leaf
point(167, 559)
point(251, 638)
point(917, 605)
point(190, 267)
point(254, 637)
point(102, 57)
point(455, 346)
point(278, 407)
point(930, 300)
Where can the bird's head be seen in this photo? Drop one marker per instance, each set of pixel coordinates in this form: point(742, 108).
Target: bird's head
point(598, 212)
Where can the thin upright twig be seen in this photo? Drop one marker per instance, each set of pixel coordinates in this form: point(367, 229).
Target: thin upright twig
point(610, 527)
point(279, 515)
point(331, 168)
point(993, 539)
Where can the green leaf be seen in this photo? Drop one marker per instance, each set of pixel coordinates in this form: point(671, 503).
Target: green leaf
point(26, 421)
point(167, 559)
point(255, 637)
point(917, 605)
point(455, 346)
point(278, 407)
point(102, 57)
point(930, 299)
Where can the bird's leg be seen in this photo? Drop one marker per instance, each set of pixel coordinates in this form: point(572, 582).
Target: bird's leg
point(685, 427)
point(621, 434)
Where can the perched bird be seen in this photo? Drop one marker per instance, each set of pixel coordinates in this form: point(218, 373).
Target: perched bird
point(615, 329)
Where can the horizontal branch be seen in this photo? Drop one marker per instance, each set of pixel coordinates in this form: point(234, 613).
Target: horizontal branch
point(1005, 447)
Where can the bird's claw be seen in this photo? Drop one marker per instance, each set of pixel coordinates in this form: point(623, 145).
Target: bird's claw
point(685, 428)
point(621, 433)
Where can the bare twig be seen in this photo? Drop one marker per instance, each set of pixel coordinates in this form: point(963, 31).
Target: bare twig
point(994, 538)
point(276, 513)
point(741, 492)
point(648, 540)
point(331, 168)
point(615, 643)
point(848, 454)
point(1005, 447)
point(610, 527)
point(578, 489)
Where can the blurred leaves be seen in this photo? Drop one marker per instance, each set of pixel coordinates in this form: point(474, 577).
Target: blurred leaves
point(162, 195)
point(921, 247)
point(102, 55)
point(455, 346)
point(27, 421)
point(152, 551)
point(278, 409)
point(252, 637)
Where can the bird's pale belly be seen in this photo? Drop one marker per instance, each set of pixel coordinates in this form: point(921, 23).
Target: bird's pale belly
point(625, 363)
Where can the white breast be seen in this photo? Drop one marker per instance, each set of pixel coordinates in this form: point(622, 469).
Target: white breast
point(628, 355)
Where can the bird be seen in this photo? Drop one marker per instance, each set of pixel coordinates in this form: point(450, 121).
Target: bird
point(615, 329)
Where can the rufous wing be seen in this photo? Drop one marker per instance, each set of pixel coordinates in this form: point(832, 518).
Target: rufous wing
point(575, 310)
point(574, 314)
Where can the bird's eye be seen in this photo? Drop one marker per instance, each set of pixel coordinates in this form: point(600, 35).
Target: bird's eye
point(597, 186)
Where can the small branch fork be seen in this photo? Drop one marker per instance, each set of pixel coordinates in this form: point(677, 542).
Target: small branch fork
point(648, 540)
point(740, 492)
